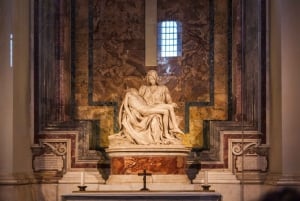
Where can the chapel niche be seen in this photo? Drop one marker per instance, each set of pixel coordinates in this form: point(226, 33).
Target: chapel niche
point(87, 53)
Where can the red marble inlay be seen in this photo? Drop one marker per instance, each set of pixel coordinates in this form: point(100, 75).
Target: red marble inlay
point(153, 164)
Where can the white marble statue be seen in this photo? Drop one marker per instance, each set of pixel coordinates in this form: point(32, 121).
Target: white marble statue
point(147, 116)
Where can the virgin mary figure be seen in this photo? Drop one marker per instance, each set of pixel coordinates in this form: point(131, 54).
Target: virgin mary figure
point(147, 116)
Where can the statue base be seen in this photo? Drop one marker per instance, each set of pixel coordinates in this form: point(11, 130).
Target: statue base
point(162, 163)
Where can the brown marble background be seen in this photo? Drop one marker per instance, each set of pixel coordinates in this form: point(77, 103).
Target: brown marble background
point(110, 56)
point(192, 77)
point(118, 48)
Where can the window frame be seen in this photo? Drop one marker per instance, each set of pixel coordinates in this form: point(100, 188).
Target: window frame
point(164, 49)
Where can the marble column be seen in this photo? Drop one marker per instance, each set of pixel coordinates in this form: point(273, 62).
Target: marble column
point(15, 101)
point(284, 94)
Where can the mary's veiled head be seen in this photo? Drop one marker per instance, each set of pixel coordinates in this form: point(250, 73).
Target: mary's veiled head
point(152, 77)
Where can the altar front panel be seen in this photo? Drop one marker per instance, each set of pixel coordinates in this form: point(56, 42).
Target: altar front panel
point(149, 196)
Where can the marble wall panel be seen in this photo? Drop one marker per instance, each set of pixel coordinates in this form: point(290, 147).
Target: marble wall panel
point(109, 47)
point(192, 69)
point(117, 42)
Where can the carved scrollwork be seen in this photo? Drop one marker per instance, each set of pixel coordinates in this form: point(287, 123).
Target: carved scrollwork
point(240, 148)
point(59, 148)
point(49, 158)
point(249, 156)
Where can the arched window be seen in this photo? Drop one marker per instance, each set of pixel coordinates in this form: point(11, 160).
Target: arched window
point(169, 39)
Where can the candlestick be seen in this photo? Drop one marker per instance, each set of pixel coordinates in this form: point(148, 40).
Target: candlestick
point(82, 188)
point(82, 179)
point(205, 177)
point(206, 186)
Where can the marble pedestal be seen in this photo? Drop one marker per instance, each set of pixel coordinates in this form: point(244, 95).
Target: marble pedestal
point(165, 163)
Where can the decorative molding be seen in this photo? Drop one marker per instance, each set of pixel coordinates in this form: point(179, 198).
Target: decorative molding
point(247, 157)
point(16, 179)
point(219, 155)
point(278, 179)
point(49, 158)
point(71, 146)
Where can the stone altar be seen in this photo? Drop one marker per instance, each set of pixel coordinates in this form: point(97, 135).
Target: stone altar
point(157, 196)
point(167, 164)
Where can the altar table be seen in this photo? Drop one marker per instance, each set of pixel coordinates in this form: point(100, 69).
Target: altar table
point(141, 195)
